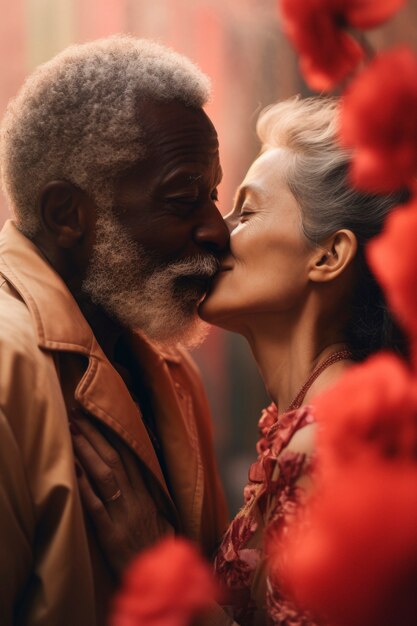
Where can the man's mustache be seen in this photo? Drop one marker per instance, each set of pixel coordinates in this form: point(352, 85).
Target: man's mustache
point(200, 266)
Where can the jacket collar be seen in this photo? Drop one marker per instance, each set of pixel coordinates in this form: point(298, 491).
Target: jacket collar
point(57, 319)
point(61, 326)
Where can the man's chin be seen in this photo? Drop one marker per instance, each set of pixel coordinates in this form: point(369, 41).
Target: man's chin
point(192, 289)
point(190, 336)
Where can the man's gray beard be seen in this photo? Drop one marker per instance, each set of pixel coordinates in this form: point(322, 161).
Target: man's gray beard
point(158, 300)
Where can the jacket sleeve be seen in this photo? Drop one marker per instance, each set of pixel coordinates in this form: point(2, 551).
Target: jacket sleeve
point(16, 525)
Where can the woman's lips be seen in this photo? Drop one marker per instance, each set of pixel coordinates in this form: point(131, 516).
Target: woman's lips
point(221, 270)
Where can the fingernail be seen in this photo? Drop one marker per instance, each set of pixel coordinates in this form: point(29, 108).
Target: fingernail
point(74, 428)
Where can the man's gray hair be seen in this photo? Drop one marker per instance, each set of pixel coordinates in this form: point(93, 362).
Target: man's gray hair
point(76, 118)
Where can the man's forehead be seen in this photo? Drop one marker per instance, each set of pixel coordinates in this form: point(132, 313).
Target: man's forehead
point(189, 176)
point(173, 121)
point(180, 150)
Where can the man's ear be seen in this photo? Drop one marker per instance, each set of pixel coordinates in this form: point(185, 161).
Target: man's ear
point(333, 257)
point(64, 212)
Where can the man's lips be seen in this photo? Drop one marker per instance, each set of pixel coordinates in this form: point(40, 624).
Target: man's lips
point(205, 280)
point(199, 280)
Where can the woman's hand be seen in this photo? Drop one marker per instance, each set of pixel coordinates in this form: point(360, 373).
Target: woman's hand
point(114, 494)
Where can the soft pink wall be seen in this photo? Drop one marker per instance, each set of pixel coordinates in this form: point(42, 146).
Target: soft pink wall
point(12, 59)
point(95, 18)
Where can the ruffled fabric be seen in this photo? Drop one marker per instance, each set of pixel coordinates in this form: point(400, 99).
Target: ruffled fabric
point(270, 502)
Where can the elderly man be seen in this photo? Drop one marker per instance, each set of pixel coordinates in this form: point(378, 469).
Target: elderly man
point(111, 169)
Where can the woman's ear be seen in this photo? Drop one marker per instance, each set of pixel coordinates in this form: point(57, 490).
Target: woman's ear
point(331, 259)
point(64, 212)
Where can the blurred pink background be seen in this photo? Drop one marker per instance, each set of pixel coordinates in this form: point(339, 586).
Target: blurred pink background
point(239, 43)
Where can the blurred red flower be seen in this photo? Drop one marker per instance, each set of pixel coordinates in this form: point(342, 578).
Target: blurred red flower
point(371, 412)
point(368, 13)
point(379, 121)
point(351, 558)
point(165, 586)
point(327, 53)
point(393, 258)
point(317, 29)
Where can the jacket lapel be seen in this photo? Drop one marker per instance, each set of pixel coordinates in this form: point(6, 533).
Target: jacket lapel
point(103, 393)
point(177, 432)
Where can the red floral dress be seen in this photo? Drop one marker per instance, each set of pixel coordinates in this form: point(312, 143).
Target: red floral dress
point(271, 499)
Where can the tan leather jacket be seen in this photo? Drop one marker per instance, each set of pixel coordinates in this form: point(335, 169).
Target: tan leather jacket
point(52, 572)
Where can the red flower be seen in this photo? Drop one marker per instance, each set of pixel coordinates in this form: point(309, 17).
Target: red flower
point(353, 560)
point(393, 258)
point(165, 586)
point(379, 121)
point(327, 53)
point(316, 28)
point(370, 412)
point(369, 13)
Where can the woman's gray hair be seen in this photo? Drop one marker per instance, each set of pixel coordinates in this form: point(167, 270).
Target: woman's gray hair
point(76, 118)
point(317, 176)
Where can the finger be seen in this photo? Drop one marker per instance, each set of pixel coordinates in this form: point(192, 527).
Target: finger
point(93, 505)
point(104, 449)
point(98, 471)
point(132, 466)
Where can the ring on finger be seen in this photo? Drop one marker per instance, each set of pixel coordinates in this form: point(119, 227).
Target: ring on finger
point(114, 497)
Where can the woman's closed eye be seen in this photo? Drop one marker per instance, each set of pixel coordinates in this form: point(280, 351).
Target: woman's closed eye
point(244, 215)
point(236, 217)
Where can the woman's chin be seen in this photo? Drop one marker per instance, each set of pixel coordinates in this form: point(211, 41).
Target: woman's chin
point(215, 312)
point(217, 307)
point(207, 309)
point(212, 308)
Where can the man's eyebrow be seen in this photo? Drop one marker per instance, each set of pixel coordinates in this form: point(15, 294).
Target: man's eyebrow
point(193, 178)
point(181, 177)
point(187, 177)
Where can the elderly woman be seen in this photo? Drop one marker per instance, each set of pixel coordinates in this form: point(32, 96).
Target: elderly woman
point(297, 286)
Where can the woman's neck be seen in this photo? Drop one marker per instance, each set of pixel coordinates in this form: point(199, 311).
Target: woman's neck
point(287, 354)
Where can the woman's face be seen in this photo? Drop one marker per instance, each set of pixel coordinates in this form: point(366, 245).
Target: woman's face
point(267, 268)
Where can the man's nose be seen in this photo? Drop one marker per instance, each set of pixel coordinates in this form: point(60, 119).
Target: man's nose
point(213, 233)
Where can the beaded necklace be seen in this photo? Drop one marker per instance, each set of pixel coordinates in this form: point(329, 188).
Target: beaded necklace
point(340, 355)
